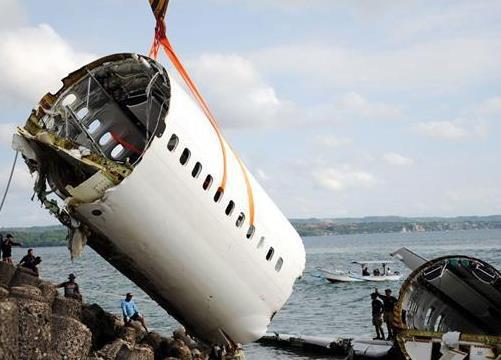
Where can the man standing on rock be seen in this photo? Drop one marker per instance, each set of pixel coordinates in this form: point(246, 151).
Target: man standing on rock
point(130, 312)
point(71, 289)
point(7, 245)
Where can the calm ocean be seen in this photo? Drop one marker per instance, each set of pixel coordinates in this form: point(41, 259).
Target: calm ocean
point(315, 308)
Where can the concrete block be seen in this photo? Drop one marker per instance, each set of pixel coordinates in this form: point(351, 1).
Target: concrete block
point(24, 276)
point(3, 293)
point(7, 272)
point(67, 307)
point(71, 340)
point(49, 291)
point(9, 330)
point(34, 329)
point(27, 292)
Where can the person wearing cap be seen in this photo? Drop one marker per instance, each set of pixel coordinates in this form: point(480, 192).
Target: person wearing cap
point(7, 245)
point(71, 289)
point(389, 302)
point(130, 312)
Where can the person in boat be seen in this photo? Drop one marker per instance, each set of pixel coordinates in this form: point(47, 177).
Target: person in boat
point(31, 261)
point(130, 311)
point(365, 271)
point(7, 245)
point(376, 272)
point(71, 288)
point(377, 316)
point(389, 303)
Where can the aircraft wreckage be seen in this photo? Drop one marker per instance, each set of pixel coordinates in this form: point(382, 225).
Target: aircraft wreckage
point(154, 188)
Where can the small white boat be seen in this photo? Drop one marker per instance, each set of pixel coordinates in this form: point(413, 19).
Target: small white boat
point(374, 270)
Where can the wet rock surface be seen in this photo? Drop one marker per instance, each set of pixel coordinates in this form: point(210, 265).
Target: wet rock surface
point(38, 323)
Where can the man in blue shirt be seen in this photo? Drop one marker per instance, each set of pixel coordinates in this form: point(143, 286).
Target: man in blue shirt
point(130, 312)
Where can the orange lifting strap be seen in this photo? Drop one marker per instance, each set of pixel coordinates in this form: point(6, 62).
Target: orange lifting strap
point(159, 8)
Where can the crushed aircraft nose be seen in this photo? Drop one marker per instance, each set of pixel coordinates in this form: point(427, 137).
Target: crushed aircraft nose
point(445, 297)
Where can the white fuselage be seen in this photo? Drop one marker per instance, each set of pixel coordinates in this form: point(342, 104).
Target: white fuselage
point(183, 242)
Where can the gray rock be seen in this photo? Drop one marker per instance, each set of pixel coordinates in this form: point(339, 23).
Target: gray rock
point(6, 273)
point(49, 291)
point(153, 340)
point(9, 330)
point(103, 325)
point(111, 350)
point(3, 293)
point(27, 292)
point(24, 276)
point(71, 340)
point(34, 329)
point(67, 307)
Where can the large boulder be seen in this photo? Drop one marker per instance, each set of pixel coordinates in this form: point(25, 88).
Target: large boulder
point(67, 307)
point(49, 291)
point(3, 293)
point(103, 325)
point(7, 272)
point(27, 292)
point(71, 340)
point(24, 276)
point(153, 340)
point(9, 330)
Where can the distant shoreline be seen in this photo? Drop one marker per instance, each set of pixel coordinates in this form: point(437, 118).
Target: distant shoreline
point(55, 235)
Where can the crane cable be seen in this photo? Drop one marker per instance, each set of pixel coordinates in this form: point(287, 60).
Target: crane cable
point(159, 8)
point(9, 181)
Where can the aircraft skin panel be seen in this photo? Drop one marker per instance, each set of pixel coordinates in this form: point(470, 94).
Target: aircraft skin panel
point(185, 243)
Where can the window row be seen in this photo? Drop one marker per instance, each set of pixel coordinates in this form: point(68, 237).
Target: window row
point(218, 195)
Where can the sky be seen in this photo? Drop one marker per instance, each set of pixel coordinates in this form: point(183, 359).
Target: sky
point(343, 108)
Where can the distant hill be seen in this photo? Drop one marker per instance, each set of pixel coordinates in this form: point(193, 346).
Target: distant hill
point(56, 235)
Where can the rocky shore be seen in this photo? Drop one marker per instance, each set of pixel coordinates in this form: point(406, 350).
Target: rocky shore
point(37, 323)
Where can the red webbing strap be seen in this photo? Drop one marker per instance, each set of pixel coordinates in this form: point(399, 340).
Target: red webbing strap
point(161, 39)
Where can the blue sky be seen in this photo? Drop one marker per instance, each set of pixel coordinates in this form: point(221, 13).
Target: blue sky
point(340, 108)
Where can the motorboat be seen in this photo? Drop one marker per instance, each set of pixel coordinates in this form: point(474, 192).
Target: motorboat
point(373, 270)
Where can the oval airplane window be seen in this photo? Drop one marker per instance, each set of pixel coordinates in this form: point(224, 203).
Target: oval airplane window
point(196, 170)
point(173, 141)
point(69, 99)
point(270, 253)
point(240, 220)
point(185, 156)
point(250, 232)
point(93, 126)
point(260, 244)
point(229, 208)
point(105, 139)
point(207, 183)
point(117, 151)
point(218, 195)
point(82, 112)
point(278, 265)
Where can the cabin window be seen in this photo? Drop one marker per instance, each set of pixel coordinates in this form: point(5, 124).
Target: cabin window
point(260, 244)
point(69, 99)
point(278, 265)
point(270, 253)
point(106, 138)
point(240, 220)
point(436, 327)
point(427, 317)
point(250, 232)
point(117, 151)
point(185, 156)
point(207, 183)
point(82, 112)
point(196, 170)
point(229, 208)
point(219, 194)
point(93, 126)
point(173, 141)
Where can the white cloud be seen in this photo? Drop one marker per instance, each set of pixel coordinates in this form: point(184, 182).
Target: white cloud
point(332, 141)
point(6, 132)
point(433, 64)
point(397, 159)
point(33, 60)
point(490, 106)
point(240, 96)
point(343, 177)
point(453, 130)
point(355, 103)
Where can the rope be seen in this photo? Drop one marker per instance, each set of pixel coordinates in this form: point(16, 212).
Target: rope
point(161, 39)
point(9, 181)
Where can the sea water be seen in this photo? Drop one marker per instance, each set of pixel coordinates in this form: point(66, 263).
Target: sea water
point(316, 306)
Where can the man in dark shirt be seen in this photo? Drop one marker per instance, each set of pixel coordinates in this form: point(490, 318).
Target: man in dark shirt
point(71, 289)
point(388, 306)
point(29, 261)
point(7, 245)
point(377, 316)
